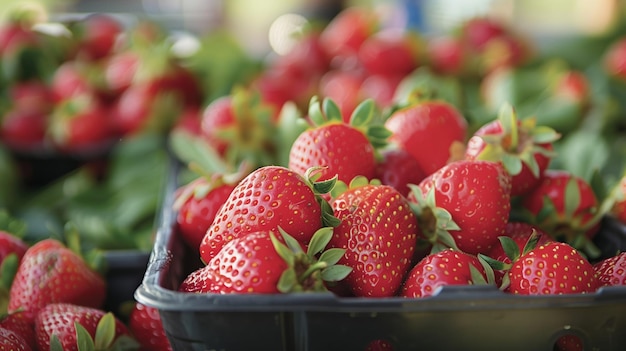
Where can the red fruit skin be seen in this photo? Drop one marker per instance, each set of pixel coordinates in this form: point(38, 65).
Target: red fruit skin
point(390, 52)
point(342, 37)
point(50, 273)
point(120, 70)
point(478, 196)
point(427, 130)
point(33, 95)
point(379, 345)
point(569, 342)
point(614, 60)
point(611, 270)
point(23, 129)
point(9, 340)
point(523, 181)
point(397, 168)
point(248, 264)
point(9, 244)
point(447, 267)
point(20, 325)
point(520, 233)
point(555, 268)
point(343, 149)
point(344, 87)
point(68, 81)
point(379, 232)
point(87, 129)
point(97, 35)
point(380, 88)
point(478, 32)
point(269, 197)
point(552, 187)
point(59, 319)
point(217, 115)
point(447, 55)
point(197, 213)
point(202, 280)
point(146, 327)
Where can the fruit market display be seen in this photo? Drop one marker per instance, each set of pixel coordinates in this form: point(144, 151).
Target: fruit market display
point(368, 162)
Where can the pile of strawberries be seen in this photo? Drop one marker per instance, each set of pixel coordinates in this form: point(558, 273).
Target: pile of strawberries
point(52, 298)
point(393, 193)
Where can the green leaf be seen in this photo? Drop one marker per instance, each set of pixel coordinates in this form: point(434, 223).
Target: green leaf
point(328, 217)
point(358, 182)
point(512, 164)
point(363, 113)
point(193, 150)
point(331, 110)
point(283, 251)
point(510, 247)
point(446, 239)
point(8, 269)
point(508, 120)
point(335, 273)
point(332, 256)
point(126, 343)
point(55, 343)
point(105, 332)
point(292, 243)
point(493, 263)
point(287, 281)
point(572, 197)
point(476, 277)
point(83, 338)
point(544, 135)
point(319, 240)
point(315, 112)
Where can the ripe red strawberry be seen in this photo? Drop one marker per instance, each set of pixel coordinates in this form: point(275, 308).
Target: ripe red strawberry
point(551, 269)
point(379, 345)
point(145, 325)
point(80, 124)
point(96, 35)
point(447, 55)
point(343, 87)
point(447, 267)
point(391, 52)
point(342, 37)
point(72, 325)
point(379, 232)
point(23, 129)
point(9, 340)
point(565, 207)
point(198, 202)
point(20, 325)
point(67, 278)
point(524, 149)
point(427, 130)
point(397, 168)
point(345, 150)
point(11, 244)
point(569, 342)
point(520, 233)
point(119, 71)
point(465, 204)
point(259, 262)
point(240, 126)
point(611, 270)
point(268, 198)
point(614, 60)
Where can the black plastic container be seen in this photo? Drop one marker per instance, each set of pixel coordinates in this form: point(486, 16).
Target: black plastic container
point(456, 318)
point(125, 271)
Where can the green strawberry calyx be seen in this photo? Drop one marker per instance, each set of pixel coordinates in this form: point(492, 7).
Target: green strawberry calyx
point(434, 222)
point(307, 271)
point(518, 143)
point(321, 188)
point(104, 340)
point(366, 117)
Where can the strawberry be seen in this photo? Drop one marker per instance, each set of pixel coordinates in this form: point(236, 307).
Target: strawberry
point(551, 269)
point(565, 207)
point(448, 56)
point(343, 87)
point(259, 262)
point(569, 342)
point(197, 203)
point(379, 345)
point(145, 325)
point(23, 129)
point(427, 130)
point(524, 149)
point(397, 168)
point(267, 198)
point(79, 124)
point(9, 340)
point(342, 37)
point(345, 150)
point(614, 59)
point(68, 326)
point(11, 244)
point(66, 278)
point(96, 35)
point(611, 270)
point(447, 267)
point(391, 52)
point(240, 127)
point(379, 232)
point(20, 325)
point(520, 233)
point(464, 204)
